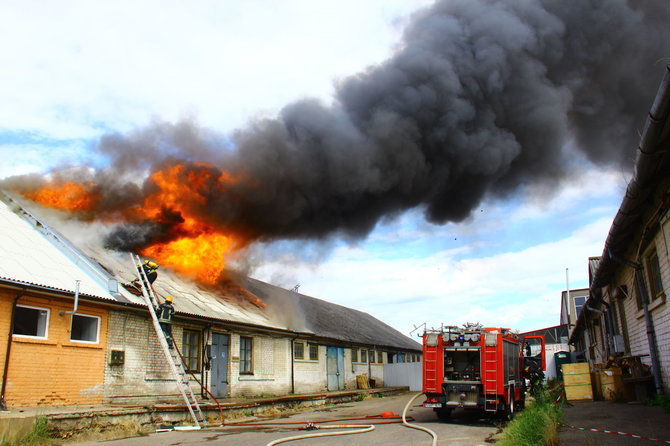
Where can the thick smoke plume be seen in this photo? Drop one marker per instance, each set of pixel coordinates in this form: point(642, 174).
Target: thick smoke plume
point(480, 98)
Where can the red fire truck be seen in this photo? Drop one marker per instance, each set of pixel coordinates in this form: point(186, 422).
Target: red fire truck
point(478, 368)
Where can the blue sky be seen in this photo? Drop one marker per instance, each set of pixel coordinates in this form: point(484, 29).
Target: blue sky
point(82, 69)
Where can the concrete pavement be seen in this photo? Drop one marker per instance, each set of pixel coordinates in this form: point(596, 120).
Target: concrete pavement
point(628, 419)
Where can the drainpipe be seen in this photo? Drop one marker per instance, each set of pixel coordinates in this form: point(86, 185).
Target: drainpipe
point(609, 329)
point(649, 322)
point(3, 403)
point(76, 300)
point(206, 361)
point(651, 332)
point(293, 364)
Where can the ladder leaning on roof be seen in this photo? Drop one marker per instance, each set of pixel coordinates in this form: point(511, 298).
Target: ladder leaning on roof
point(171, 355)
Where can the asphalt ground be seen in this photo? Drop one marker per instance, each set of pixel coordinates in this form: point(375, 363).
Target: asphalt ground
point(622, 420)
point(465, 429)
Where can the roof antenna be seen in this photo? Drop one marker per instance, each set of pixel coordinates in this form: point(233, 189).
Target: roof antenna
point(296, 287)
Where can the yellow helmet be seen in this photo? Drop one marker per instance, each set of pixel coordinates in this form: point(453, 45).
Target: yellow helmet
point(168, 299)
point(151, 264)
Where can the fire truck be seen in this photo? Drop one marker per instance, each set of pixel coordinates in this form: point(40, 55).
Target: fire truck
point(479, 368)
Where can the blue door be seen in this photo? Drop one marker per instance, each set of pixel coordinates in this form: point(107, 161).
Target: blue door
point(219, 379)
point(335, 368)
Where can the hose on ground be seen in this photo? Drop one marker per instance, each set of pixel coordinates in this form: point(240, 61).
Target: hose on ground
point(415, 426)
point(358, 429)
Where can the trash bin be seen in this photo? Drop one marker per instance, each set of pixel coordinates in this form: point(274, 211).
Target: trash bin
point(561, 358)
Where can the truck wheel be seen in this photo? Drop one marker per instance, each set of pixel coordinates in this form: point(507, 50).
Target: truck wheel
point(443, 413)
point(510, 410)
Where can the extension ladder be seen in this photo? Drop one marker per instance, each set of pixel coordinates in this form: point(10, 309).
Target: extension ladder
point(173, 359)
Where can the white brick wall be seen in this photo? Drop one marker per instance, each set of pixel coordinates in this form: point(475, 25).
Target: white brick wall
point(660, 312)
point(271, 372)
point(145, 375)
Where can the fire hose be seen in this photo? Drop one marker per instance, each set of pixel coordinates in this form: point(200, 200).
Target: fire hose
point(357, 428)
point(416, 426)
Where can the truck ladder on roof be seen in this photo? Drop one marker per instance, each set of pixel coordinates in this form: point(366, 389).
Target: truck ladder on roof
point(490, 379)
point(173, 359)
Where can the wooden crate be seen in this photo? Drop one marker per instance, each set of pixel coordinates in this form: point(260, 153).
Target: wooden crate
point(611, 383)
point(577, 382)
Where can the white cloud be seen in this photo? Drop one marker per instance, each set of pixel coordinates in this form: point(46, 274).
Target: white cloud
point(76, 64)
point(516, 289)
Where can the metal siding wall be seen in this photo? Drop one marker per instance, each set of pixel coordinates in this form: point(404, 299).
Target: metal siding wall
point(403, 374)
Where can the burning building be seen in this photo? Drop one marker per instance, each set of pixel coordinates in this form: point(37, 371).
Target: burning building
point(239, 335)
point(481, 99)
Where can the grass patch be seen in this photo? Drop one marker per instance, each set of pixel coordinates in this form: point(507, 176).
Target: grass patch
point(24, 434)
point(537, 425)
point(659, 400)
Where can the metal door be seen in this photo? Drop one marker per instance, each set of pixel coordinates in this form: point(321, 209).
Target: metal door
point(219, 379)
point(335, 368)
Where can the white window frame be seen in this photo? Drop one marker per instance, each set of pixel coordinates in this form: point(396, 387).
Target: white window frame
point(578, 307)
point(97, 328)
point(46, 326)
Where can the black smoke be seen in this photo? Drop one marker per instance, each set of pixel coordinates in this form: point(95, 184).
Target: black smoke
point(480, 98)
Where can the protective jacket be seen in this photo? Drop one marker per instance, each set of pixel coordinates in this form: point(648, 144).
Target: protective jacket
point(165, 311)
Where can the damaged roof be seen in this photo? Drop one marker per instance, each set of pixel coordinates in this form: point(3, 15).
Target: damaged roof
point(54, 257)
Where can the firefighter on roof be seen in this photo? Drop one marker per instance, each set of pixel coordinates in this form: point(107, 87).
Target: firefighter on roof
point(164, 312)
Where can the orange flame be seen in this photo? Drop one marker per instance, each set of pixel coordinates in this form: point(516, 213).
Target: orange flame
point(200, 250)
point(64, 195)
point(201, 256)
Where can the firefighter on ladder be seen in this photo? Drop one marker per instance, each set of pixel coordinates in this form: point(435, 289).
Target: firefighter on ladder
point(164, 312)
point(150, 270)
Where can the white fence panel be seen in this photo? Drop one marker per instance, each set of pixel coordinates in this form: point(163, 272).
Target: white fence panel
point(403, 374)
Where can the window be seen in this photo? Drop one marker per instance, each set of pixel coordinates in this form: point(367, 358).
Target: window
point(364, 356)
point(313, 352)
point(190, 349)
point(85, 328)
point(380, 357)
point(354, 355)
point(299, 350)
point(654, 271)
point(579, 303)
point(31, 322)
point(372, 356)
point(246, 344)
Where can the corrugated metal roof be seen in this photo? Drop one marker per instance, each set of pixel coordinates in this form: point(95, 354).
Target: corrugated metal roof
point(330, 320)
point(30, 257)
point(651, 166)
